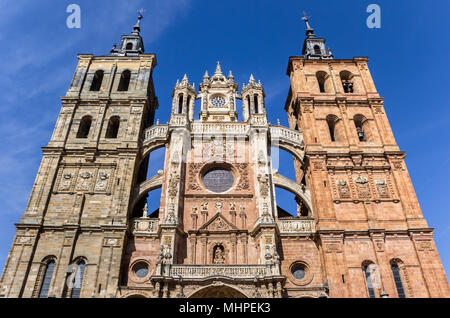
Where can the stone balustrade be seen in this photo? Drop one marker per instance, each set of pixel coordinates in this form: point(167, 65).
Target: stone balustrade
point(294, 136)
point(224, 128)
point(232, 271)
point(155, 132)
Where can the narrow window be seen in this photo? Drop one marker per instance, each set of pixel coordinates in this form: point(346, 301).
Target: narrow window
point(360, 121)
point(129, 46)
point(124, 81)
point(331, 121)
point(369, 281)
point(321, 79)
point(180, 104)
point(317, 50)
point(249, 104)
point(398, 281)
point(113, 127)
point(78, 283)
point(85, 126)
point(97, 81)
point(256, 104)
point(47, 279)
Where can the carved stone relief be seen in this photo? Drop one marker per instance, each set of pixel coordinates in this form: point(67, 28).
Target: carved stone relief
point(243, 184)
point(344, 190)
point(84, 181)
point(362, 185)
point(382, 188)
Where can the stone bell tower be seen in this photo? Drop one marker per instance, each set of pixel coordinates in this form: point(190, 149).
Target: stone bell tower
point(374, 240)
point(77, 215)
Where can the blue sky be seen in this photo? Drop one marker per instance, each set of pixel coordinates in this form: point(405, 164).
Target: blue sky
point(408, 61)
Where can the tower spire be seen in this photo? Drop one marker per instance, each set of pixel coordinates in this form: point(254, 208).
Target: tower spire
point(131, 44)
point(314, 47)
point(309, 30)
point(137, 26)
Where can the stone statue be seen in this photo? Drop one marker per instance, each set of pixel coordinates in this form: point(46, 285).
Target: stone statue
point(219, 257)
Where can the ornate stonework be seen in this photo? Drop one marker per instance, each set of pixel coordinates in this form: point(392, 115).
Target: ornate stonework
point(219, 229)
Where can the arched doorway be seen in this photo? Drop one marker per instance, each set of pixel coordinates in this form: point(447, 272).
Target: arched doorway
point(218, 292)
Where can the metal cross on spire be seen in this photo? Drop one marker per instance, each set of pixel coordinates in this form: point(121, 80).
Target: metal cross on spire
point(306, 19)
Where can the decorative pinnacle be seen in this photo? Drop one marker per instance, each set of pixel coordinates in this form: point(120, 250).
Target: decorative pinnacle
point(218, 69)
point(206, 74)
point(185, 79)
point(252, 79)
point(230, 75)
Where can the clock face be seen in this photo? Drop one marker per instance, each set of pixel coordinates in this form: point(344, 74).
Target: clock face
point(218, 101)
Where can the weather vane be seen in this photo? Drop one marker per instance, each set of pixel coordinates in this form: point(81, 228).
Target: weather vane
point(141, 11)
point(305, 17)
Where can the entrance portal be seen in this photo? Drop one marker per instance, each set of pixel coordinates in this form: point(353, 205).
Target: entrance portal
point(218, 292)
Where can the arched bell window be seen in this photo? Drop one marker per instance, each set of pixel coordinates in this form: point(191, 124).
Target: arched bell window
point(97, 81)
point(124, 82)
point(129, 46)
point(317, 50)
point(85, 126)
point(322, 81)
point(347, 81)
point(362, 129)
point(113, 127)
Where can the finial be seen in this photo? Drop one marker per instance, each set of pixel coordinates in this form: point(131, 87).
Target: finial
point(206, 74)
point(137, 26)
point(185, 79)
point(252, 79)
point(309, 30)
point(278, 121)
point(218, 69)
point(230, 75)
point(114, 48)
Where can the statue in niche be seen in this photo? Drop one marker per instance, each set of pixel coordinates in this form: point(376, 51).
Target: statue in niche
point(218, 255)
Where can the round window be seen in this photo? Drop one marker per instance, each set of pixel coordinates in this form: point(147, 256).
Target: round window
point(141, 270)
point(218, 101)
point(218, 180)
point(298, 271)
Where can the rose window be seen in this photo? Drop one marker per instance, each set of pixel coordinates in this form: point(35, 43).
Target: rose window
point(218, 101)
point(218, 180)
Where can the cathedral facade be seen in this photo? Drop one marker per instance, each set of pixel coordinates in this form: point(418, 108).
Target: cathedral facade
point(218, 232)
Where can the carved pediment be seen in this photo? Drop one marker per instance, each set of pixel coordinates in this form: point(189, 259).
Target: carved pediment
point(218, 223)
